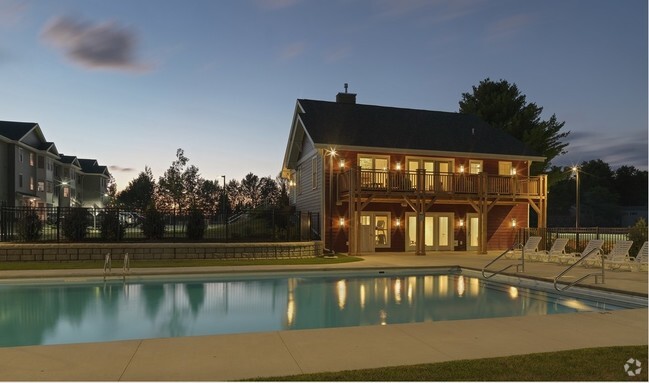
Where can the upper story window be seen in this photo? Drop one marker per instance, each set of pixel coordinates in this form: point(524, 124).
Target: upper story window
point(32, 159)
point(314, 172)
point(41, 162)
point(373, 162)
point(20, 155)
point(475, 167)
point(31, 183)
point(373, 170)
point(505, 168)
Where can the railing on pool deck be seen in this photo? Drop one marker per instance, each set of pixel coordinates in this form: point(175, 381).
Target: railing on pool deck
point(598, 274)
point(521, 264)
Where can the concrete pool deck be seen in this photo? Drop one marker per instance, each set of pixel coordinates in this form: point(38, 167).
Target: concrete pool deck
point(278, 353)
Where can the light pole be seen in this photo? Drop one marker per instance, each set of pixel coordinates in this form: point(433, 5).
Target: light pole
point(331, 153)
point(576, 170)
point(223, 209)
point(58, 211)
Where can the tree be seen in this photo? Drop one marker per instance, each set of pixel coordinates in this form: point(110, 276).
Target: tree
point(139, 193)
point(631, 185)
point(501, 105)
point(171, 184)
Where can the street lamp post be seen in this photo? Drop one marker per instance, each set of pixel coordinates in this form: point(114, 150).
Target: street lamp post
point(332, 154)
point(576, 170)
point(223, 209)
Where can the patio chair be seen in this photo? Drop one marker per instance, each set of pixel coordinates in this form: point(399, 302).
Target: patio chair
point(593, 251)
point(640, 260)
point(594, 245)
point(557, 250)
point(530, 247)
point(619, 256)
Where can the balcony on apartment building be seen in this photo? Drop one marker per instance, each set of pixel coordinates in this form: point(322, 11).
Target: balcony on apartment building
point(448, 185)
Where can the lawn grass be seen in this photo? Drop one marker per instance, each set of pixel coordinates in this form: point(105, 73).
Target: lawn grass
point(590, 364)
point(56, 265)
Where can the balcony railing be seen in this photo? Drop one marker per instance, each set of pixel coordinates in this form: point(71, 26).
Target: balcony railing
point(441, 183)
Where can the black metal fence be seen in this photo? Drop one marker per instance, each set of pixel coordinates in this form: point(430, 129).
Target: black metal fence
point(25, 224)
point(578, 237)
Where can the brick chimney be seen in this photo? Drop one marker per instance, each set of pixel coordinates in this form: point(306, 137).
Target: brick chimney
point(346, 98)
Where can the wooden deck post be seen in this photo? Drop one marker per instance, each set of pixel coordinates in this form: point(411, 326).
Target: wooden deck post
point(421, 213)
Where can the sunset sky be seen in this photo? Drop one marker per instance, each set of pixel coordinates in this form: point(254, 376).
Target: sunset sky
point(129, 82)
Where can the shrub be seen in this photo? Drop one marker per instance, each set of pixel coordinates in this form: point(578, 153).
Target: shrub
point(111, 228)
point(637, 234)
point(74, 224)
point(195, 224)
point(153, 225)
point(30, 226)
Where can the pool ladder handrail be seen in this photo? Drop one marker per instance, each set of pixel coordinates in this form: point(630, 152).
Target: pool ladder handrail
point(598, 274)
point(126, 268)
point(521, 265)
point(108, 264)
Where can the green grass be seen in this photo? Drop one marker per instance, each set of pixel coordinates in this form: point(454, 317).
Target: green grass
point(590, 364)
point(52, 265)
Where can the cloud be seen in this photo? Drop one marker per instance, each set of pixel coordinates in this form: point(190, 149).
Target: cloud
point(12, 12)
point(292, 50)
point(614, 150)
point(94, 46)
point(507, 26)
point(276, 4)
point(115, 169)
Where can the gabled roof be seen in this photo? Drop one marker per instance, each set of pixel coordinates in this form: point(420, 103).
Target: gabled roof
point(91, 166)
point(370, 126)
point(16, 130)
point(71, 160)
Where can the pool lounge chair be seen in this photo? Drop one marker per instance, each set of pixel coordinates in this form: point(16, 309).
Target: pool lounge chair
point(530, 247)
point(594, 246)
point(619, 256)
point(557, 250)
point(640, 260)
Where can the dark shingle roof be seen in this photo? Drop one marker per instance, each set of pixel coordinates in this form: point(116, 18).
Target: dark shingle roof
point(15, 130)
point(67, 159)
point(332, 123)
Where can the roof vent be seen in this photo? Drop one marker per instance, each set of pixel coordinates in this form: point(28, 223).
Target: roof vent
point(346, 98)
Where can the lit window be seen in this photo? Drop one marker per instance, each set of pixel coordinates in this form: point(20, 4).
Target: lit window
point(41, 186)
point(66, 191)
point(31, 183)
point(504, 168)
point(32, 161)
point(475, 167)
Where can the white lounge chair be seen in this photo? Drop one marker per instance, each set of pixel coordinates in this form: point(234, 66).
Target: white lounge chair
point(593, 251)
point(619, 256)
point(594, 246)
point(640, 260)
point(557, 250)
point(531, 246)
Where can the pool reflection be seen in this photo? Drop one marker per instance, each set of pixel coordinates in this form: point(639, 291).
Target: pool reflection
point(73, 313)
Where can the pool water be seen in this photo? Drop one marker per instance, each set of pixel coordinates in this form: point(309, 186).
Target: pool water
point(39, 314)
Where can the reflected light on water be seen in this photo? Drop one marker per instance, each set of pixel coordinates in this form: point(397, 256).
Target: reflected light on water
point(397, 291)
point(443, 285)
point(460, 285)
point(362, 296)
point(383, 316)
point(474, 287)
point(341, 287)
point(513, 292)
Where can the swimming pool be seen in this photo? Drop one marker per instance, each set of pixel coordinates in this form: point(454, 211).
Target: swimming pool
point(139, 308)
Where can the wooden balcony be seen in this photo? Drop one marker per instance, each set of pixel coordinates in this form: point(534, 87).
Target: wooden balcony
point(444, 185)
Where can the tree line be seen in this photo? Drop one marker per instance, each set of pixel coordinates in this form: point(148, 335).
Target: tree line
point(182, 188)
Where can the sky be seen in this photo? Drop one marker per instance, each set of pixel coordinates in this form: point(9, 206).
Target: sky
point(129, 82)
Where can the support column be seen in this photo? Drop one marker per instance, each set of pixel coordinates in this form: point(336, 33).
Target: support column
point(421, 213)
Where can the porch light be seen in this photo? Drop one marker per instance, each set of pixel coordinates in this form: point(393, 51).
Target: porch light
point(341, 221)
point(461, 168)
point(513, 171)
point(461, 223)
point(398, 222)
point(513, 222)
point(398, 165)
point(341, 163)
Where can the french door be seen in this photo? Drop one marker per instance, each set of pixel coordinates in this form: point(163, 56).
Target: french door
point(438, 231)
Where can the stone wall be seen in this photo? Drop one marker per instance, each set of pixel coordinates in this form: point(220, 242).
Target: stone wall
point(144, 251)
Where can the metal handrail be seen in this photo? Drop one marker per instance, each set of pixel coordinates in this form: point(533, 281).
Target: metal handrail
point(108, 264)
point(522, 264)
point(600, 274)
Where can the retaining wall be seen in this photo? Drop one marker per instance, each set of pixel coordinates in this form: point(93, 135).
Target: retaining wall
point(144, 251)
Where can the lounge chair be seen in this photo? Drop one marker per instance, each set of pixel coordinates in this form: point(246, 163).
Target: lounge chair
point(557, 250)
point(531, 246)
point(640, 260)
point(594, 246)
point(619, 256)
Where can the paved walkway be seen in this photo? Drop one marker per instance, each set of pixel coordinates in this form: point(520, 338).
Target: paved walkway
point(240, 356)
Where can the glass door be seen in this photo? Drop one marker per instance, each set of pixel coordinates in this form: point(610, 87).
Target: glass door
point(438, 233)
point(472, 230)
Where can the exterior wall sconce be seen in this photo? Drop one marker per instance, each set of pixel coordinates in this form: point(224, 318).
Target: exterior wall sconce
point(341, 221)
point(398, 222)
point(398, 165)
point(513, 222)
point(461, 223)
point(461, 168)
point(514, 171)
point(291, 183)
point(341, 163)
